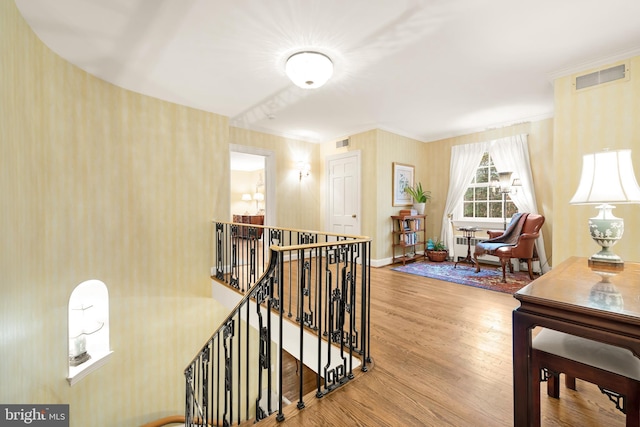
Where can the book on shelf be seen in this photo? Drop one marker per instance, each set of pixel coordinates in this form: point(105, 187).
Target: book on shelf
point(410, 224)
point(409, 238)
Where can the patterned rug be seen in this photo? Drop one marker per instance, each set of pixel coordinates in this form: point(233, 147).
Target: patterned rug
point(490, 276)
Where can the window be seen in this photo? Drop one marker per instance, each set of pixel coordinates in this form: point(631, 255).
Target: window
point(482, 199)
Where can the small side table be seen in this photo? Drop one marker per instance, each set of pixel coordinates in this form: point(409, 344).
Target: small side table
point(469, 233)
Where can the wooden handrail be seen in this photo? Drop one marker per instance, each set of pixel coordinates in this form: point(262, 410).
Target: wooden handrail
point(294, 230)
point(277, 248)
point(171, 419)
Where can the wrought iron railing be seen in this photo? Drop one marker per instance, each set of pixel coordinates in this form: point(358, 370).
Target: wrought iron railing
point(311, 299)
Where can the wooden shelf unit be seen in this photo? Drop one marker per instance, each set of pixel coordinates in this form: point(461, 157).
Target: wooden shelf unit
point(409, 236)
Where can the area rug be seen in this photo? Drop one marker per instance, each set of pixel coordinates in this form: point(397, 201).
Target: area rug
point(489, 277)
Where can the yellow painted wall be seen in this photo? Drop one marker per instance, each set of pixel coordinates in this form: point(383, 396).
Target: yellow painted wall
point(587, 121)
point(97, 182)
point(395, 148)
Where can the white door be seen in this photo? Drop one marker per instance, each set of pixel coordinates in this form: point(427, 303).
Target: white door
point(343, 184)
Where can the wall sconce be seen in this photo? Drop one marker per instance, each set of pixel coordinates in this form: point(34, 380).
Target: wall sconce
point(304, 169)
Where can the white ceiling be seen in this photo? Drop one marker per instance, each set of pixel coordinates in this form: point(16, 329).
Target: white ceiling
point(425, 69)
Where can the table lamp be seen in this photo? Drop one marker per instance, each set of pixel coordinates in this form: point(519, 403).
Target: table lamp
point(607, 178)
point(258, 197)
point(246, 197)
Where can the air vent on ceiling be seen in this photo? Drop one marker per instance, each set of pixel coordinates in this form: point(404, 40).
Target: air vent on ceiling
point(602, 76)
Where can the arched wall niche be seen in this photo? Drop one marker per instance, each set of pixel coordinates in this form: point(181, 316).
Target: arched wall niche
point(88, 329)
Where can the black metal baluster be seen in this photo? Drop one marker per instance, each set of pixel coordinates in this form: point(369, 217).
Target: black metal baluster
point(267, 293)
point(264, 338)
point(248, 352)
point(217, 375)
point(228, 372)
point(321, 330)
point(280, 277)
point(219, 239)
point(301, 290)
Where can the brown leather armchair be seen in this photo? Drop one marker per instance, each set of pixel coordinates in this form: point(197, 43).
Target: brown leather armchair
point(523, 247)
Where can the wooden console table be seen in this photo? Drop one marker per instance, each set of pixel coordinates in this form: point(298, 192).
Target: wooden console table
point(243, 232)
point(563, 300)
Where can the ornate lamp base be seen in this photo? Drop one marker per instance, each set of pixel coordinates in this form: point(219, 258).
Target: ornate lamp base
point(79, 359)
point(606, 230)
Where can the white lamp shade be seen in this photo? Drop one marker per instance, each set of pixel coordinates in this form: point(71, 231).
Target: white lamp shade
point(505, 179)
point(607, 177)
point(246, 197)
point(309, 70)
point(258, 196)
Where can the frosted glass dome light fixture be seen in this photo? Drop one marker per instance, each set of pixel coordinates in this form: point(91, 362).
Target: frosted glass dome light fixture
point(309, 70)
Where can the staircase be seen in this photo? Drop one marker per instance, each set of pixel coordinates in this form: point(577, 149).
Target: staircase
point(306, 293)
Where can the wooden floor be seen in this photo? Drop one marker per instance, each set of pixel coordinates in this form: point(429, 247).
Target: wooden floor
point(442, 357)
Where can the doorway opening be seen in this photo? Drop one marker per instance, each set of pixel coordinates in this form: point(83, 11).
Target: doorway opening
point(252, 178)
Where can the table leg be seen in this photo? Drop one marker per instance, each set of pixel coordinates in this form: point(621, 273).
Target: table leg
point(468, 259)
point(523, 401)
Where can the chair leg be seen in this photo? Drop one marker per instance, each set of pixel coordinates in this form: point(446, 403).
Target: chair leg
point(475, 258)
point(504, 261)
point(535, 379)
point(569, 382)
point(530, 265)
point(632, 407)
point(553, 385)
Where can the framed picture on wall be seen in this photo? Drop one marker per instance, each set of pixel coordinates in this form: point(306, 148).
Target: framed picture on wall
point(402, 178)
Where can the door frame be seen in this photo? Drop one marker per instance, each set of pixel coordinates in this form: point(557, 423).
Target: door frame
point(328, 160)
point(269, 177)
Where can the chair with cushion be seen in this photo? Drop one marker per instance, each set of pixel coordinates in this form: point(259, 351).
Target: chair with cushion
point(615, 370)
point(517, 241)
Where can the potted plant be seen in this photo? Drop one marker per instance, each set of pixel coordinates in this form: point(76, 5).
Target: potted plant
point(438, 252)
point(420, 197)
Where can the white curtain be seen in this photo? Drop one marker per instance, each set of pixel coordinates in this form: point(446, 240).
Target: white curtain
point(464, 163)
point(512, 154)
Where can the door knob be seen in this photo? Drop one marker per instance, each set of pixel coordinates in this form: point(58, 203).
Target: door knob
point(353, 215)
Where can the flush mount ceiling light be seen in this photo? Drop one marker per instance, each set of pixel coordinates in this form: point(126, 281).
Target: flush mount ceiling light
point(309, 70)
